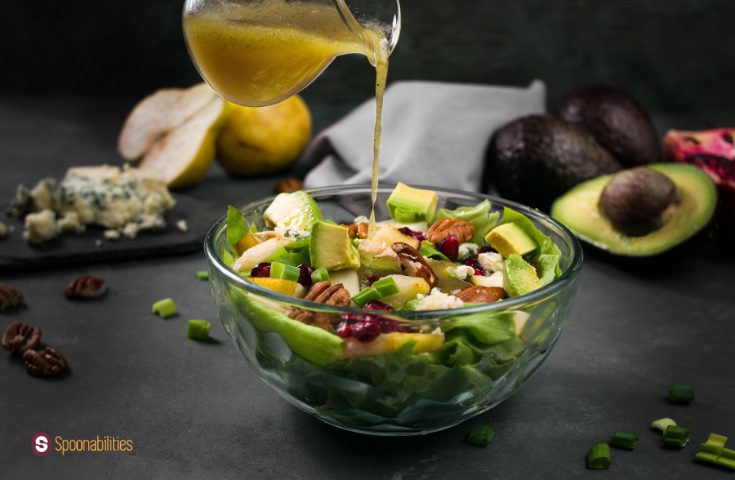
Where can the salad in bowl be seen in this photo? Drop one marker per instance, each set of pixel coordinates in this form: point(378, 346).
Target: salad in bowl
point(432, 314)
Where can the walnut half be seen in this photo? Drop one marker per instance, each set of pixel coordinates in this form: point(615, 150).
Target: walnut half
point(413, 264)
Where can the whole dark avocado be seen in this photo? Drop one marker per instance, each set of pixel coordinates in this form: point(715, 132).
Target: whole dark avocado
point(616, 120)
point(537, 158)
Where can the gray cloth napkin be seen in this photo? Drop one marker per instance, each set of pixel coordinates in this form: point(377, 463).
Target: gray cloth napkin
point(433, 134)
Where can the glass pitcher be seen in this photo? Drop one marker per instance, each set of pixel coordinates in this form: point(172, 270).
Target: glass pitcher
point(259, 52)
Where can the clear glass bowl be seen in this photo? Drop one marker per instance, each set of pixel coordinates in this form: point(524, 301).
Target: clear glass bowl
point(489, 350)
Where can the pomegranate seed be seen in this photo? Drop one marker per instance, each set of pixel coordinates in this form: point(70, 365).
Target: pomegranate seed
point(344, 329)
point(414, 233)
point(472, 262)
point(368, 329)
point(450, 247)
point(261, 270)
point(377, 305)
point(305, 275)
point(372, 279)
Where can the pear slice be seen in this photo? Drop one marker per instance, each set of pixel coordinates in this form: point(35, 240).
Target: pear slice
point(157, 114)
point(182, 157)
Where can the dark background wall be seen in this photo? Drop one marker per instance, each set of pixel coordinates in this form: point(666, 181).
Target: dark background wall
point(674, 55)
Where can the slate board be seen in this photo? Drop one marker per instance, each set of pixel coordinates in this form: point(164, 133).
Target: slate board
point(17, 255)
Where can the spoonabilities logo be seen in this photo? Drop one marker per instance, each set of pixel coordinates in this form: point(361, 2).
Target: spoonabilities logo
point(41, 444)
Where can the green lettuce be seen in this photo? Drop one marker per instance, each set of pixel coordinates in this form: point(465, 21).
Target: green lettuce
point(479, 216)
point(547, 256)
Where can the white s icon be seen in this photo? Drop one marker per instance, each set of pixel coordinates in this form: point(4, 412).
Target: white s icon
point(41, 444)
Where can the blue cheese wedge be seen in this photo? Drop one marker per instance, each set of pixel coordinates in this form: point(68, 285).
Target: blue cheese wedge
point(125, 201)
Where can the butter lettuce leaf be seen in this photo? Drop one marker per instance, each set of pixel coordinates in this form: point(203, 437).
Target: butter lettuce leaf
point(547, 256)
point(479, 216)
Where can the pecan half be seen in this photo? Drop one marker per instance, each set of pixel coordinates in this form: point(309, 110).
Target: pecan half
point(358, 230)
point(45, 363)
point(328, 294)
point(445, 227)
point(9, 297)
point(20, 337)
point(288, 185)
point(413, 264)
point(86, 286)
point(479, 294)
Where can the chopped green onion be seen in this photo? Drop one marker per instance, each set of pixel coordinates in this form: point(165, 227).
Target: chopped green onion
point(662, 424)
point(411, 304)
point(428, 250)
point(720, 461)
point(164, 308)
point(717, 439)
point(726, 462)
point(285, 272)
point(319, 275)
point(480, 435)
point(728, 453)
point(681, 394)
point(203, 275)
point(707, 447)
point(598, 458)
point(386, 286)
point(277, 254)
point(197, 329)
point(676, 436)
point(624, 440)
point(366, 295)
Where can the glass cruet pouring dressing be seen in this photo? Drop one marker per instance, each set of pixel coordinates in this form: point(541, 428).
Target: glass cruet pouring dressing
point(259, 52)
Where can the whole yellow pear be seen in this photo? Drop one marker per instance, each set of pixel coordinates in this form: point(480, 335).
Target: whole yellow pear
point(260, 140)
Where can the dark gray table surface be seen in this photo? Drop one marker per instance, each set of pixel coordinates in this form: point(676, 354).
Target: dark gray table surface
point(197, 410)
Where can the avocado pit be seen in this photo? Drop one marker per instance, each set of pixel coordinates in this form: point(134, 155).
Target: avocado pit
point(635, 200)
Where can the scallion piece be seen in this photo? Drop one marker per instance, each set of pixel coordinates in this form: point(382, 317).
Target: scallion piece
point(728, 453)
point(366, 295)
point(624, 440)
point(285, 272)
point(297, 245)
point(681, 394)
point(164, 308)
point(599, 458)
point(319, 275)
point(386, 286)
point(203, 275)
point(676, 436)
point(716, 439)
point(662, 424)
point(726, 462)
point(480, 435)
point(197, 329)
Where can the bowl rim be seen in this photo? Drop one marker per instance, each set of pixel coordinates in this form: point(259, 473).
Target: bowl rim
point(544, 292)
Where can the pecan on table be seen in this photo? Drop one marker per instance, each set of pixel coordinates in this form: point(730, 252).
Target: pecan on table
point(441, 229)
point(413, 264)
point(328, 294)
point(45, 363)
point(20, 337)
point(86, 286)
point(288, 185)
point(9, 297)
point(479, 294)
point(358, 230)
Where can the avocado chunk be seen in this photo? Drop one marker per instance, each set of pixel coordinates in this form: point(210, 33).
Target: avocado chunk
point(509, 238)
point(407, 204)
point(330, 247)
point(635, 200)
point(579, 211)
point(519, 276)
point(616, 120)
point(537, 158)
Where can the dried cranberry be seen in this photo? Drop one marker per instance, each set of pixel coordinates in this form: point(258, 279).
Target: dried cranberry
point(372, 279)
point(450, 247)
point(368, 329)
point(413, 233)
point(377, 305)
point(305, 275)
point(261, 270)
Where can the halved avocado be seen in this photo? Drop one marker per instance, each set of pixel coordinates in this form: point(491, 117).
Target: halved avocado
point(578, 210)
